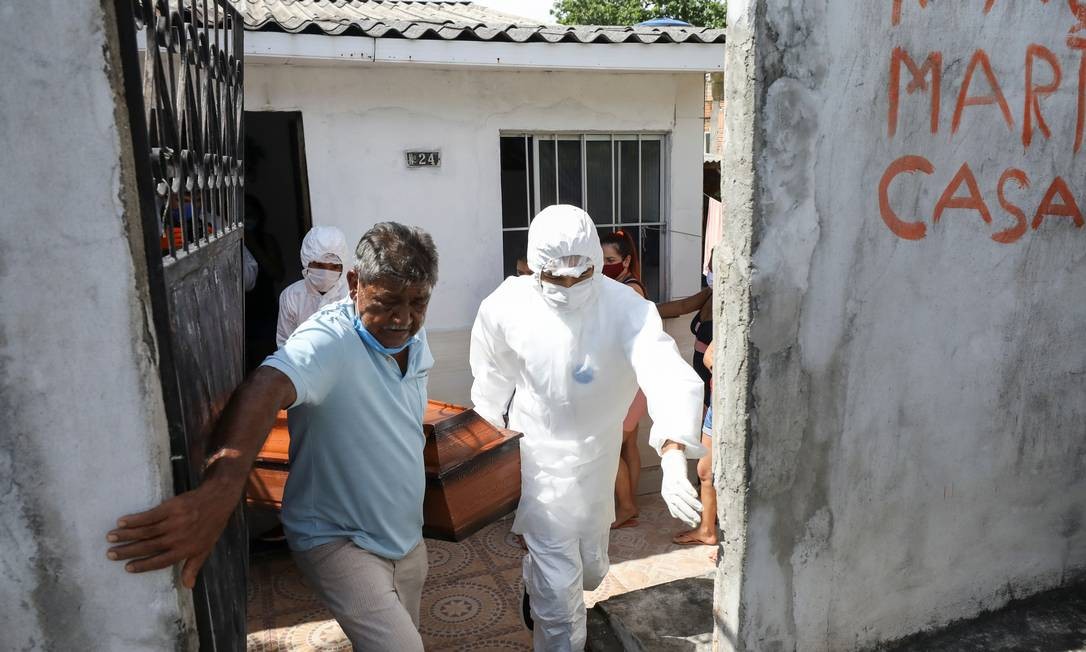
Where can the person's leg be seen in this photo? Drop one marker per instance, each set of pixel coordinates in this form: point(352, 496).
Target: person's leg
point(705, 533)
point(631, 451)
point(595, 561)
point(625, 500)
point(409, 574)
point(554, 581)
point(708, 494)
point(629, 464)
point(631, 455)
point(359, 589)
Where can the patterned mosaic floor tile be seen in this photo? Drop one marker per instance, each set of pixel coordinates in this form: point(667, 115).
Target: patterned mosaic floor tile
point(471, 600)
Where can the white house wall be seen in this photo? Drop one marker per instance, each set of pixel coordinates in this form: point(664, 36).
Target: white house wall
point(360, 119)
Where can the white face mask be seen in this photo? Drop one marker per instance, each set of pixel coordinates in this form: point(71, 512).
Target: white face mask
point(321, 280)
point(571, 298)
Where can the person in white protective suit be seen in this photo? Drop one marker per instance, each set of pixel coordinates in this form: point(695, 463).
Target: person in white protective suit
point(575, 345)
point(324, 249)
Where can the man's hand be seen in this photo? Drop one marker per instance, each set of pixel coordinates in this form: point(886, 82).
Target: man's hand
point(676, 490)
point(183, 528)
point(186, 527)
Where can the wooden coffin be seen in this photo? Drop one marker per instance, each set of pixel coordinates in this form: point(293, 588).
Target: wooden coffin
point(269, 474)
point(472, 471)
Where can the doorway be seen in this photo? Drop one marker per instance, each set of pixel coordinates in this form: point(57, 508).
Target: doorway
point(277, 217)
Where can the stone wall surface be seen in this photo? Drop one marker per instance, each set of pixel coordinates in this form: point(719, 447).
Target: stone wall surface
point(84, 438)
point(901, 387)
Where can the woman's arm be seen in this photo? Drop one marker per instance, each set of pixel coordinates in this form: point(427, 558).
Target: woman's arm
point(680, 307)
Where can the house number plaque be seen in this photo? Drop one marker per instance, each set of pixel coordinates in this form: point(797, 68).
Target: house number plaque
point(423, 159)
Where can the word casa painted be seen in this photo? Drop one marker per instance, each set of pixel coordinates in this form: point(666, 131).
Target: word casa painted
point(1046, 82)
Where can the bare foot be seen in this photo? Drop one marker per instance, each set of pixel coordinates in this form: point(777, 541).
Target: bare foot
point(695, 538)
point(624, 518)
point(714, 556)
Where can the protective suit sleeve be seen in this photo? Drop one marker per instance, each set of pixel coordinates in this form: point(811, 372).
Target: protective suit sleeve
point(493, 366)
point(287, 318)
point(672, 388)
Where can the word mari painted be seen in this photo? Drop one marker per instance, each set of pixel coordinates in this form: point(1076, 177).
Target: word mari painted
point(980, 89)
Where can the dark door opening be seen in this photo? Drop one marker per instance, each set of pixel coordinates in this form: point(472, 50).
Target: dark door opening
point(276, 219)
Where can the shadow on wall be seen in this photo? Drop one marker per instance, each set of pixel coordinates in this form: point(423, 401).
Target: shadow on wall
point(1055, 620)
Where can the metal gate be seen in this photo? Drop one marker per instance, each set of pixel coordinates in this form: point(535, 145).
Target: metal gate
point(184, 93)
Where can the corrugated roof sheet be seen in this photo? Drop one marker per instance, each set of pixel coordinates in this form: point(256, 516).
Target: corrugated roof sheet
point(450, 20)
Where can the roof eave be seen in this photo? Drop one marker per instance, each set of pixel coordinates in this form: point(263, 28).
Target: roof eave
point(314, 49)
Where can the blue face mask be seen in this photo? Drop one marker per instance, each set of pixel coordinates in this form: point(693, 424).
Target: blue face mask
point(371, 341)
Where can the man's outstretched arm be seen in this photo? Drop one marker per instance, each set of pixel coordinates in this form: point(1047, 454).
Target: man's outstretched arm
point(185, 527)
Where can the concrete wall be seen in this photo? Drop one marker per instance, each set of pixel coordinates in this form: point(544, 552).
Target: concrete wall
point(84, 438)
point(360, 119)
point(901, 391)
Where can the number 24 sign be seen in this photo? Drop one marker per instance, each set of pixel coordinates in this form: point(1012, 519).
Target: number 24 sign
point(423, 159)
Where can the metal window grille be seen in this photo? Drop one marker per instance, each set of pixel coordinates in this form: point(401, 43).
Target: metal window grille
point(618, 178)
point(193, 105)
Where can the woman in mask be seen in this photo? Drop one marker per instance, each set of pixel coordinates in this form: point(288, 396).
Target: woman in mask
point(324, 281)
point(620, 263)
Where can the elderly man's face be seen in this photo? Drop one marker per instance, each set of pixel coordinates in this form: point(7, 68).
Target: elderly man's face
point(392, 312)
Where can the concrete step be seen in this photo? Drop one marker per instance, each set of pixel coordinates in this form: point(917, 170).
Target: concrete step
point(665, 618)
point(601, 638)
point(678, 616)
point(1053, 621)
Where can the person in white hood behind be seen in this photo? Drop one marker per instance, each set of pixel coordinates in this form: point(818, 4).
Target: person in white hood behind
point(575, 345)
point(323, 251)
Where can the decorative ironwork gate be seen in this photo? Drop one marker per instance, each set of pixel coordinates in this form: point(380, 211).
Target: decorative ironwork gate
point(188, 134)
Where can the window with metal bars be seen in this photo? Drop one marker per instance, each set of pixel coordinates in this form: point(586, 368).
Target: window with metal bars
point(617, 178)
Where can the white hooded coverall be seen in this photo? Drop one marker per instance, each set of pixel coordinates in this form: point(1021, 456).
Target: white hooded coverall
point(301, 299)
point(575, 370)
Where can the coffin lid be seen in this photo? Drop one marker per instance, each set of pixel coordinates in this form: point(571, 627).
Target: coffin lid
point(455, 435)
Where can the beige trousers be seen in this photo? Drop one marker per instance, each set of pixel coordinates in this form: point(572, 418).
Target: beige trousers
point(375, 600)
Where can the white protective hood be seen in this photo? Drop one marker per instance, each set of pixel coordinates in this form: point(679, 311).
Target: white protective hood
point(326, 244)
point(300, 300)
point(563, 231)
point(324, 241)
point(575, 373)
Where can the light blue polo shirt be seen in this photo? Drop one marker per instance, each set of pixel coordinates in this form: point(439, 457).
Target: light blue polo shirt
point(356, 438)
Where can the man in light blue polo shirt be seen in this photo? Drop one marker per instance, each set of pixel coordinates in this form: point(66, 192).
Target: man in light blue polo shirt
point(356, 469)
point(354, 377)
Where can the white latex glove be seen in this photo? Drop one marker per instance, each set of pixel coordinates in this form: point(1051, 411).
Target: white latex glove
point(676, 490)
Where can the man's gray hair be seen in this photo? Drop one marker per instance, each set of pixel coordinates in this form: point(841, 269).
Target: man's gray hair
point(392, 251)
